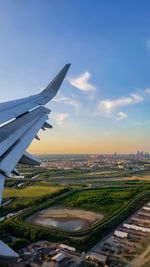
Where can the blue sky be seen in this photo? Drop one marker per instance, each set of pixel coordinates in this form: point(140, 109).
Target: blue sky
point(103, 105)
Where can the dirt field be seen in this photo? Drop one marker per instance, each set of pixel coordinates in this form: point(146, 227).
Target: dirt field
point(139, 177)
point(65, 219)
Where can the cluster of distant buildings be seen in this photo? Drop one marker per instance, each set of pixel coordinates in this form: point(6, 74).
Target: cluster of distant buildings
point(108, 161)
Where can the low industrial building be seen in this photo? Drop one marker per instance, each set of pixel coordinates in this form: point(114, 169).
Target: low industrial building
point(93, 256)
point(63, 246)
point(136, 227)
point(140, 220)
point(121, 234)
point(59, 257)
point(146, 214)
point(146, 208)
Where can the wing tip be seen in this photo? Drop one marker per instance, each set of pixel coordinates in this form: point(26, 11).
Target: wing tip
point(51, 90)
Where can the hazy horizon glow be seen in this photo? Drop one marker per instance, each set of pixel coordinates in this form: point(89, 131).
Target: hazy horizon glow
point(104, 103)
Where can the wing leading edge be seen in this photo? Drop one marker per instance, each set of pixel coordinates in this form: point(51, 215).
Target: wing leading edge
point(17, 135)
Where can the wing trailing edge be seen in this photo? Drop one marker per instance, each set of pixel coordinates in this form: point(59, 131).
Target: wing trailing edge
point(29, 159)
point(25, 132)
point(2, 180)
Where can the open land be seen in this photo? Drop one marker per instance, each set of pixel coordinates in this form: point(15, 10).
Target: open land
point(65, 219)
point(78, 207)
point(30, 191)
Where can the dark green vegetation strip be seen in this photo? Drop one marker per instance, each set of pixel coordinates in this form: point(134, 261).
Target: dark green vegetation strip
point(116, 204)
point(75, 174)
point(105, 200)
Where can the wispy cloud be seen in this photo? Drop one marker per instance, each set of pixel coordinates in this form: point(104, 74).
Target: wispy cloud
point(68, 101)
point(108, 106)
point(147, 91)
point(121, 116)
point(82, 82)
point(60, 117)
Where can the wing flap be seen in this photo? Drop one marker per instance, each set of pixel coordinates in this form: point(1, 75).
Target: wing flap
point(29, 159)
point(2, 180)
point(10, 132)
point(11, 157)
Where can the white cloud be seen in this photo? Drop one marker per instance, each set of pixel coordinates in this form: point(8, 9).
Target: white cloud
point(121, 116)
point(68, 101)
point(147, 91)
point(108, 106)
point(82, 82)
point(60, 117)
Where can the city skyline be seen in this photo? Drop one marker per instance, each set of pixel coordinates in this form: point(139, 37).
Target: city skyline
point(103, 104)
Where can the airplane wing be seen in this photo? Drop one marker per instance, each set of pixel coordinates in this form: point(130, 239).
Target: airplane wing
point(15, 108)
point(29, 116)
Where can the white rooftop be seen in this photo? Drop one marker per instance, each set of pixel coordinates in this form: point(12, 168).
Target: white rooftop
point(136, 227)
point(146, 208)
point(121, 234)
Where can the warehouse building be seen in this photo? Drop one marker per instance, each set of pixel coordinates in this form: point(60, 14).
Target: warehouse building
point(93, 256)
point(146, 208)
point(63, 246)
point(137, 228)
point(121, 234)
point(59, 257)
point(140, 220)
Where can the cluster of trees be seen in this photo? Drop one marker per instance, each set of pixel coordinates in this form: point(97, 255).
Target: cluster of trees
point(12, 183)
point(19, 243)
point(106, 200)
point(4, 236)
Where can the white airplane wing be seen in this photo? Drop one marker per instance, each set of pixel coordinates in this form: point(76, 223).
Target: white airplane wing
point(15, 108)
point(29, 116)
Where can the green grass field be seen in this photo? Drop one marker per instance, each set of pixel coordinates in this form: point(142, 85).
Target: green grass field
point(30, 191)
point(28, 196)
